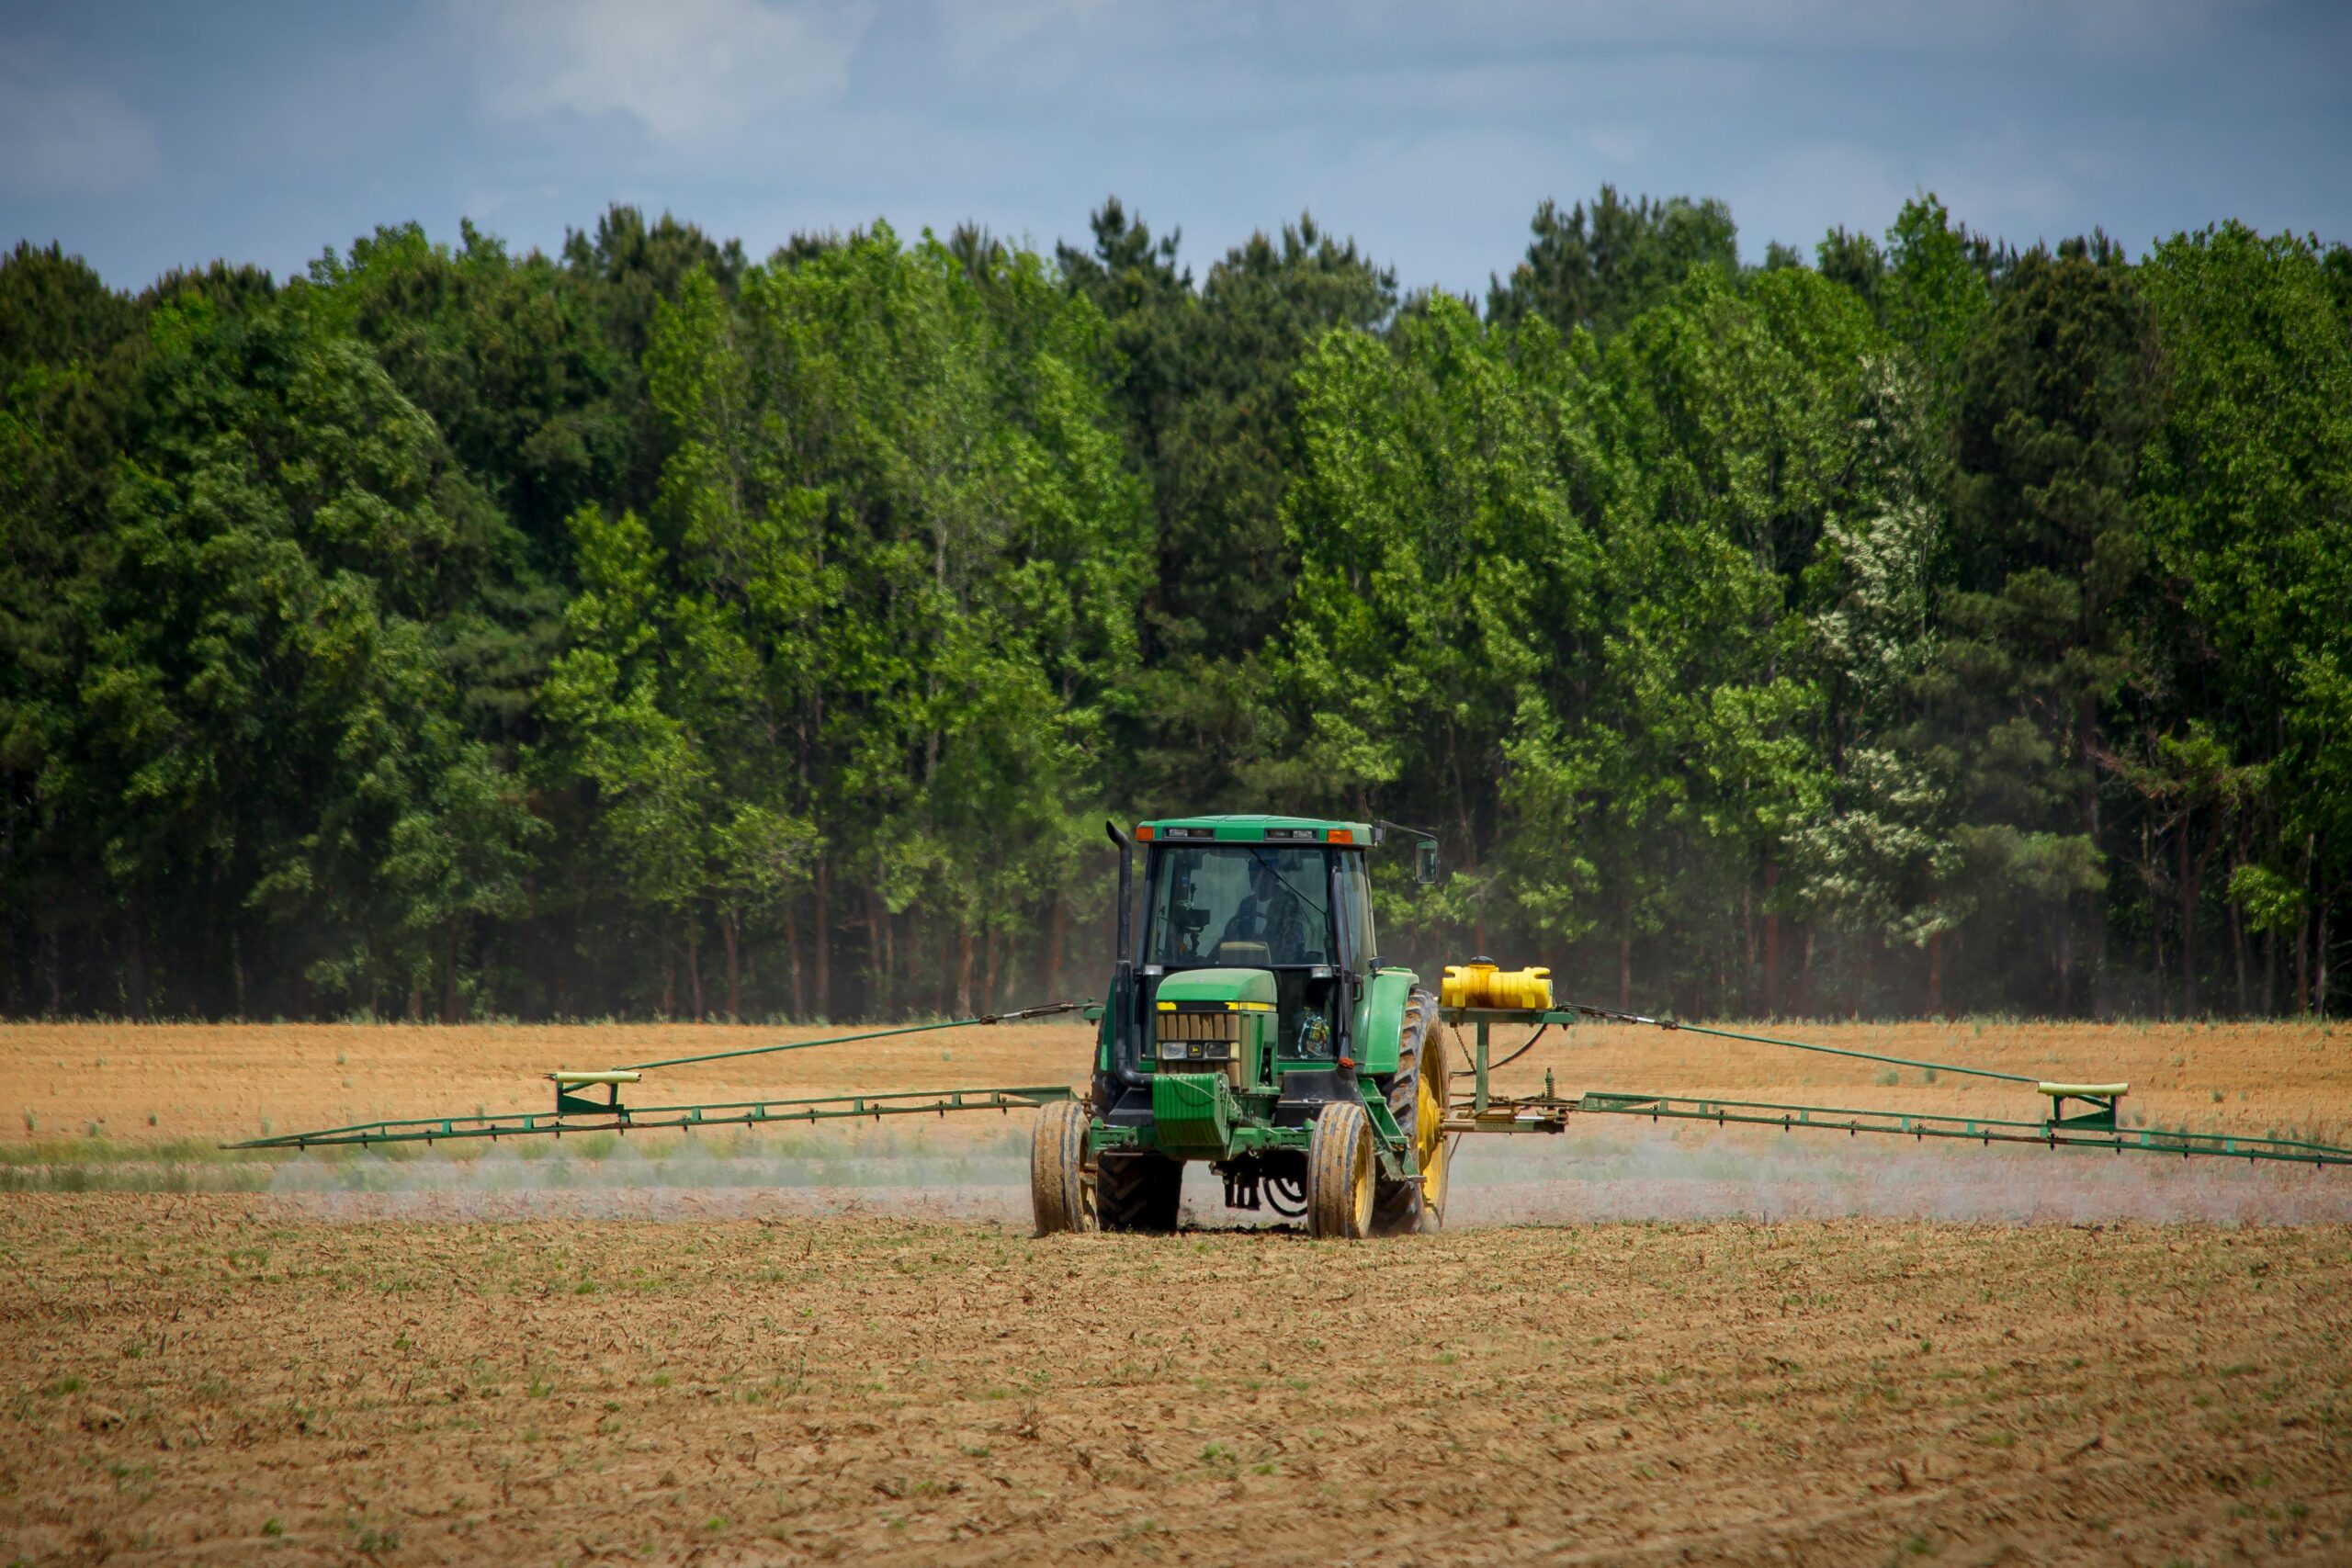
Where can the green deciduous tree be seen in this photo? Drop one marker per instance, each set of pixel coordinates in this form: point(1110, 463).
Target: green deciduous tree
point(2247, 489)
point(452, 630)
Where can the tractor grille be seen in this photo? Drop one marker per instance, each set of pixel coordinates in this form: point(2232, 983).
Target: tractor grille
point(1200, 1043)
point(1218, 1025)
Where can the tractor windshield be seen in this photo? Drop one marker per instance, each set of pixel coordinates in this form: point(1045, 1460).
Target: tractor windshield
point(1253, 906)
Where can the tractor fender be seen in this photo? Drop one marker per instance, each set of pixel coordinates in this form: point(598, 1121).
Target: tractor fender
point(1380, 1020)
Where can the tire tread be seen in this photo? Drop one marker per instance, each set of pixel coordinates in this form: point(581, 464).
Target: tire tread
point(1057, 1160)
point(1341, 1129)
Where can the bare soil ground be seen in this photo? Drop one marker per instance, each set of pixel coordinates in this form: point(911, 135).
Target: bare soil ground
point(209, 1378)
point(739, 1352)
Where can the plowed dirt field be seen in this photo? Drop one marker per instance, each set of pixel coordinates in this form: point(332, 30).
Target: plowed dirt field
point(752, 1350)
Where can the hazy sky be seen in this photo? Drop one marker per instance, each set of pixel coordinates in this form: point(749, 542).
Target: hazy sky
point(147, 136)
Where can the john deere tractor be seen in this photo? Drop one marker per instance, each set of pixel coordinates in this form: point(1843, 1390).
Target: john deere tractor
point(1256, 1029)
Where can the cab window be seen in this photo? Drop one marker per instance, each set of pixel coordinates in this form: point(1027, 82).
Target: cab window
point(1355, 912)
point(1253, 906)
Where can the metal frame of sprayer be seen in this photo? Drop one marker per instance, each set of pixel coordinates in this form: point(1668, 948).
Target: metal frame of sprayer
point(1375, 1008)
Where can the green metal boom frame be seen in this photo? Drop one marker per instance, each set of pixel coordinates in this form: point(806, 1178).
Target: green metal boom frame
point(576, 1112)
point(2097, 1127)
point(655, 1118)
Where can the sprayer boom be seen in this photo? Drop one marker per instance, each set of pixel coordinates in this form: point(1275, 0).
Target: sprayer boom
point(1546, 1113)
point(577, 1109)
point(2097, 1124)
point(655, 1118)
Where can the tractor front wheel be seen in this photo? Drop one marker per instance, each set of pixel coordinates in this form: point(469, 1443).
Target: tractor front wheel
point(1339, 1173)
point(1058, 1192)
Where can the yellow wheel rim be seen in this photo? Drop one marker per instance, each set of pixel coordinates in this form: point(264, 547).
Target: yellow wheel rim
point(1429, 1135)
point(1359, 1187)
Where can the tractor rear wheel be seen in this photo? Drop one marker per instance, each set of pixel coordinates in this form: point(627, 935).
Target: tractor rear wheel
point(1136, 1191)
point(1058, 1193)
point(1417, 1100)
point(1339, 1170)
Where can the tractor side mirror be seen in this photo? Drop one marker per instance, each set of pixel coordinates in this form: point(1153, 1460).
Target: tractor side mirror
point(1425, 862)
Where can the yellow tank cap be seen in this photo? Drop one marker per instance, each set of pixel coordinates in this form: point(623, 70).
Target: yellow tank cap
point(1479, 984)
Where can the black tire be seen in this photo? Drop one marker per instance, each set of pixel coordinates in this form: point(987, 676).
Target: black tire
point(1058, 1194)
point(1339, 1170)
point(1401, 1208)
point(1136, 1191)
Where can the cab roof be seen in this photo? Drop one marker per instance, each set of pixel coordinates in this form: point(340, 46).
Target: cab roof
point(1257, 830)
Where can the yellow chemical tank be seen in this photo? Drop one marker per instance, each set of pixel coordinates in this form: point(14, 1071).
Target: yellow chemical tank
point(1478, 984)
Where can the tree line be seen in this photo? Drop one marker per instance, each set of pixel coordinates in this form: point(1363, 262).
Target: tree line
point(643, 630)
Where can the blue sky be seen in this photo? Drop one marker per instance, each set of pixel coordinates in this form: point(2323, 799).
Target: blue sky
point(148, 136)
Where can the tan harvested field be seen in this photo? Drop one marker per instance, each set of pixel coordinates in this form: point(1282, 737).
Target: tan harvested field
point(160, 1083)
point(742, 1354)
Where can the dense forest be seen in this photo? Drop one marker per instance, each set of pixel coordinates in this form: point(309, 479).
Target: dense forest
point(1923, 626)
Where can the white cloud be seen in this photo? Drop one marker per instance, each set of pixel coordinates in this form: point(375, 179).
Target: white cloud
point(1782, 29)
point(690, 72)
point(977, 31)
point(59, 136)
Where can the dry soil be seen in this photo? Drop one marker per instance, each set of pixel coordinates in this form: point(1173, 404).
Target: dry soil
point(747, 1350)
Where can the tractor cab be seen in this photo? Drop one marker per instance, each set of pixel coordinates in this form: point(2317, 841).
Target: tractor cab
point(1291, 909)
point(1257, 898)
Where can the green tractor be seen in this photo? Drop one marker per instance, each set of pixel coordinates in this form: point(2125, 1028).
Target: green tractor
point(1254, 1028)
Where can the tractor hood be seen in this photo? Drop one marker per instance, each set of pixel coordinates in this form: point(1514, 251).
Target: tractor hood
point(1254, 989)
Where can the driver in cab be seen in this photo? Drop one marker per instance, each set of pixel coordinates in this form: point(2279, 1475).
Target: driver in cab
point(1271, 914)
